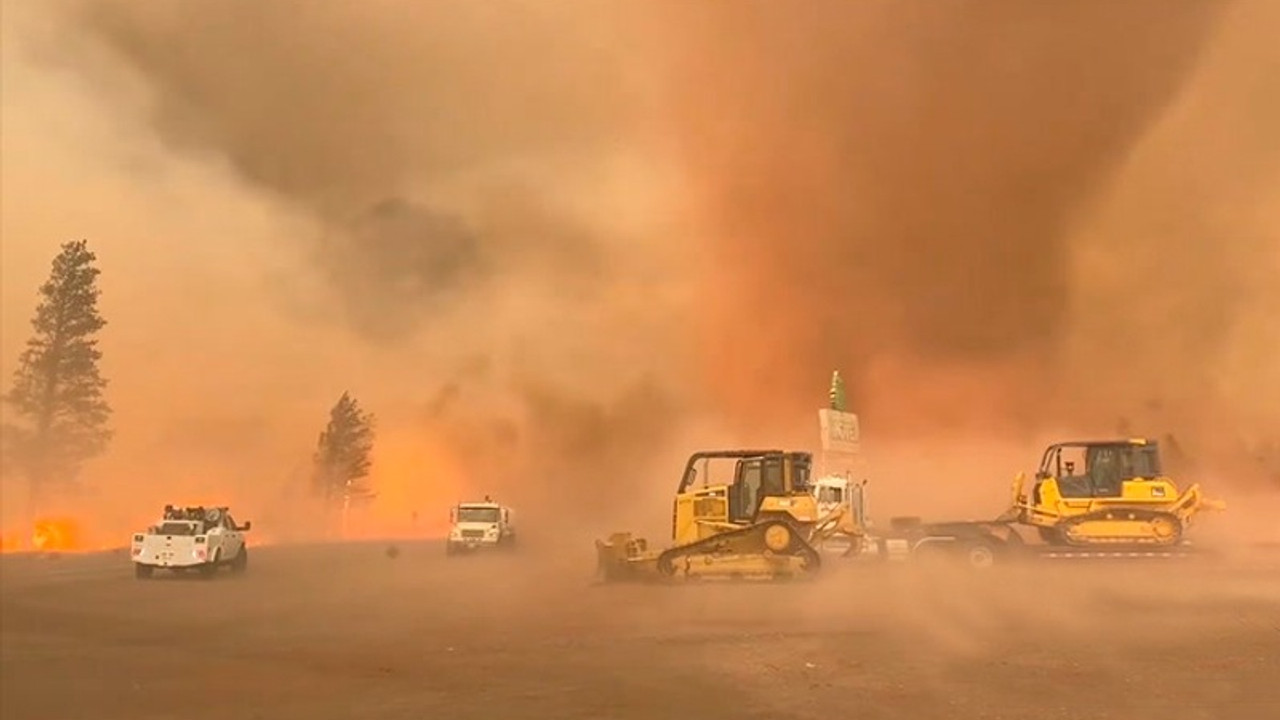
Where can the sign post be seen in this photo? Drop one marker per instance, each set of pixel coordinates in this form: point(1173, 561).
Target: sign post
point(841, 437)
point(841, 434)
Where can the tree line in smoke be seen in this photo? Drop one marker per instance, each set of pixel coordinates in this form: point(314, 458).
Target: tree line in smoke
point(62, 417)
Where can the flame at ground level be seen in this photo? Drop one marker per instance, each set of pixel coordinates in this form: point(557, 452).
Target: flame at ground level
point(417, 477)
point(55, 534)
point(379, 522)
point(47, 535)
point(10, 542)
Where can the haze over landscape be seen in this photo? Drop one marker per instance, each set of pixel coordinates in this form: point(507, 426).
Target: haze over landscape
point(562, 245)
point(556, 247)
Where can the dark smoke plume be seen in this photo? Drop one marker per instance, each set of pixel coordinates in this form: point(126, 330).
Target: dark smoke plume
point(400, 255)
point(352, 113)
point(438, 147)
point(898, 184)
point(968, 207)
point(341, 105)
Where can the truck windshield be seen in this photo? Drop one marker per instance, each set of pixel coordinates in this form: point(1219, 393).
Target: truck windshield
point(478, 514)
point(177, 528)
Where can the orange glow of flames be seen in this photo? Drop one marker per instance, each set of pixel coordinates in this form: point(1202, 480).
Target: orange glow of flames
point(10, 542)
point(59, 534)
point(418, 479)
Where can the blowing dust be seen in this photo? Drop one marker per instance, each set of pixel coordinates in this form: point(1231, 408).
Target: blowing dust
point(1000, 237)
point(555, 248)
point(997, 217)
point(446, 210)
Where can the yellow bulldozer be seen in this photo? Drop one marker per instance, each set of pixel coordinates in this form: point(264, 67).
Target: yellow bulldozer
point(1106, 493)
point(759, 522)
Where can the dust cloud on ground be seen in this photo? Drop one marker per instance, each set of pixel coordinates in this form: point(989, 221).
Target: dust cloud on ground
point(319, 630)
point(556, 247)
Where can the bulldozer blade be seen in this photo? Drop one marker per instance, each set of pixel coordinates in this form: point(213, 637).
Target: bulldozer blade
point(626, 558)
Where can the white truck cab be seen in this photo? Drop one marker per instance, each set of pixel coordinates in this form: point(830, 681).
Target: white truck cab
point(480, 525)
point(834, 493)
point(191, 538)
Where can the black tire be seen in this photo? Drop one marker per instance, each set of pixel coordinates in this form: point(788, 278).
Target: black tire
point(142, 572)
point(209, 569)
point(241, 562)
point(979, 555)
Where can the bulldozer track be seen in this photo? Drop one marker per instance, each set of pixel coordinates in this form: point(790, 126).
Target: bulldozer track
point(723, 544)
point(1124, 514)
point(1117, 555)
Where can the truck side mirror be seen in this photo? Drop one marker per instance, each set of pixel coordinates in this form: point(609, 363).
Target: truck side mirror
point(453, 515)
point(247, 525)
point(506, 516)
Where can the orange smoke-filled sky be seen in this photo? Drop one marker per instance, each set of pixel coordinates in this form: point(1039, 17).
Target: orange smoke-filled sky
point(541, 240)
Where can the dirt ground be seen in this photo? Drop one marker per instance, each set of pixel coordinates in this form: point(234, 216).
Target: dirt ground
point(343, 632)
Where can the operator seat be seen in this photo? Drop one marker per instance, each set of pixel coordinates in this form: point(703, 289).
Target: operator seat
point(1071, 485)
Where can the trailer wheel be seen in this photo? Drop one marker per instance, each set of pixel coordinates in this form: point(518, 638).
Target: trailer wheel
point(980, 555)
point(142, 572)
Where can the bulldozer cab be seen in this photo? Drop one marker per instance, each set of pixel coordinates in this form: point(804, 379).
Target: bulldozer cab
point(1111, 493)
point(1097, 469)
point(728, 487)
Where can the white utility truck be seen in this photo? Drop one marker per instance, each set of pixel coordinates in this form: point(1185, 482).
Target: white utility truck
point(840, 495)
point(480, 525)
point(191, 538)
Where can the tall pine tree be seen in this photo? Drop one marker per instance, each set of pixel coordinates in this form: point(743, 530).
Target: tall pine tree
point(342, 458)
point(57, 393)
